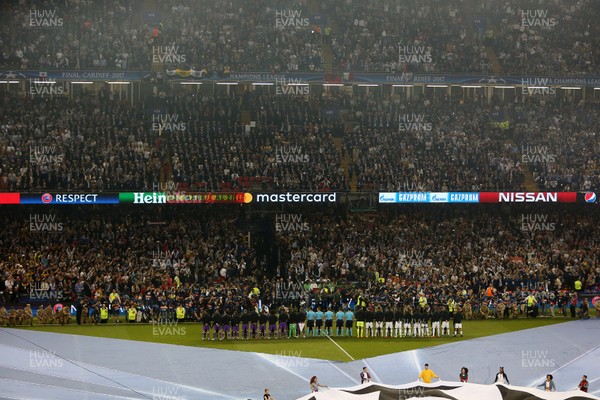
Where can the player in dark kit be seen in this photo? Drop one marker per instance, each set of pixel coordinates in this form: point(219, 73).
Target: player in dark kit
point(458, 317)
point(426, 317)
point(206, 319)
point(360, 322)
point(245, 318)
point(445, 323)
point(283, 323)
point(235, 325)
point(293, 324)
point(339, 323)
point(436, 316)
point(272, 318)
point(216, 319)
point(262, 322)
point(301, 321)
point(253, 324)
point(225, 326)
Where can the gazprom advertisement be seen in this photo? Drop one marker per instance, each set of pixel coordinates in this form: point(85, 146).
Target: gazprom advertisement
point(487, 197)
point(429, 197)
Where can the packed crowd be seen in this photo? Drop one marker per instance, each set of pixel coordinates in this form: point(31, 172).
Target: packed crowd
point(455, 255)
point(485, 262)
point(549, 38)
point(202, 35)
point(96, 143)
point(409, 36)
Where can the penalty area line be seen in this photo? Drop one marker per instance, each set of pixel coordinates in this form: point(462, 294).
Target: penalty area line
point(341, 348)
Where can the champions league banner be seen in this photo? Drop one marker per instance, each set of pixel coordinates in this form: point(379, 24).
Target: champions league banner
point(308, 77)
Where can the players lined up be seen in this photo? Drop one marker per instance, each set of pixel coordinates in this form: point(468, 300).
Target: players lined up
point(344, 322)
point(363, 322)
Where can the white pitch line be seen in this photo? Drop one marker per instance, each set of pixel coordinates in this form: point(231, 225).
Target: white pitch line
point(340, 347)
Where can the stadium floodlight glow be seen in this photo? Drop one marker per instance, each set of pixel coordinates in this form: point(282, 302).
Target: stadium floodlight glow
point(570, 88)
point(262, 83)
point(118, 82)
point(368, 84)
point(400, 85)
point(333, 84)
point(297, 84)
point(471, 87)
point(437, 86)
point(597, 88)
point(82, 83)
point(226, 83)
point(504, 87)
point(190, 83)
point(9, 82)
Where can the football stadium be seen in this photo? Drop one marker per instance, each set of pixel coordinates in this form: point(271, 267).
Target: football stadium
point(299, 199)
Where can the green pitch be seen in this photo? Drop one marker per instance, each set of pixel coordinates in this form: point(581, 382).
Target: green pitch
point(190, 334)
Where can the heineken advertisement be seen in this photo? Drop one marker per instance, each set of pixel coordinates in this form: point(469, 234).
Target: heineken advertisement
point(182, 198)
